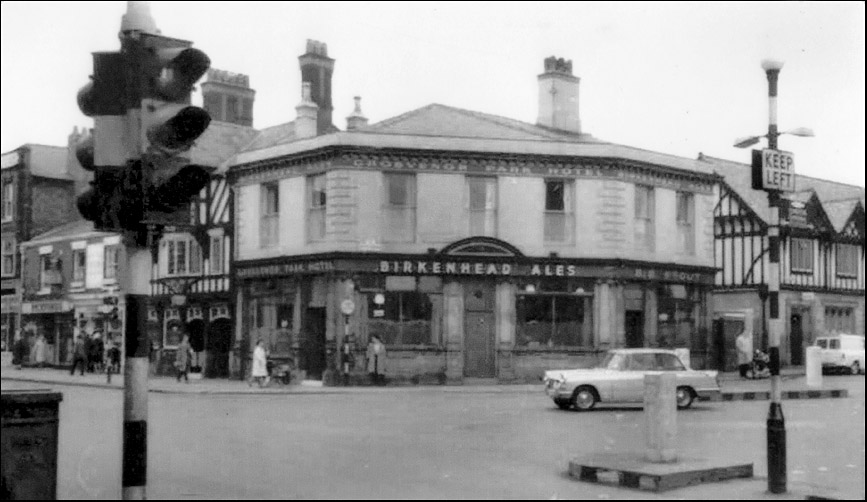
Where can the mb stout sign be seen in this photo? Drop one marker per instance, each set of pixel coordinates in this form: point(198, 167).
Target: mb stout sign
point(773, 170)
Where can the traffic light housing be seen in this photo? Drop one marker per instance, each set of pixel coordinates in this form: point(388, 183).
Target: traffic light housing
point(143, 126)
point(169, 127)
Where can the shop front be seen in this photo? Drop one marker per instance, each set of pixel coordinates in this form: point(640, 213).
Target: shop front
point(207, 322)
point(54, 321)
point(477, 310)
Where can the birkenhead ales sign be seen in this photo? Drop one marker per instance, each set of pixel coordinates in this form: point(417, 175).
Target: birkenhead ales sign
point(773, 170)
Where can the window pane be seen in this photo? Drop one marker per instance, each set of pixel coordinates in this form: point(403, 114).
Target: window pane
point(195, 257)
point(317, 192)
point(217, 255)
point(401, 189)
point(181, 257)
point(554, 196)
point(270, 199)
point(404, 318)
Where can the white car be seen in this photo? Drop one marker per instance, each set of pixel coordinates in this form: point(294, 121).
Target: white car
point(842, 352)
point(620, 378)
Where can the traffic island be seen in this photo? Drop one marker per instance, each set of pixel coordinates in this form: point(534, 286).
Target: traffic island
point(633, 471)
point(659, 468)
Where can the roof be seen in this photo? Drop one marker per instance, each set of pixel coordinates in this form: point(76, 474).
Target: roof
point(447, 121)
point(443, 128)
point(78, 229)
point(45, 161)
point(271, 136)
point(219, 142)
point(839, 211)
point(739, 177)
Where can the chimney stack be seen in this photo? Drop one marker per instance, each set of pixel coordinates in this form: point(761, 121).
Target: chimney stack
point(558, 96)
point(228, 97)
point(316, 68)
point(356, 120)
point(306, 122)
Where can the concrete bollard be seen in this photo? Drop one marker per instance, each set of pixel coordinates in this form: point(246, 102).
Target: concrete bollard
point(660, 417)
point(814, 367)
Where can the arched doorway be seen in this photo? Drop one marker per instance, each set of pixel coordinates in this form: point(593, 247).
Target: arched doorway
point(218, 345)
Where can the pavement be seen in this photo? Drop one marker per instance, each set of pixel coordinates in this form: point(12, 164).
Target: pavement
point(734, 388)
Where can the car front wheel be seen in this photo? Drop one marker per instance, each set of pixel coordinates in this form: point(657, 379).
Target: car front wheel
point(684, 396)
point(584, 398)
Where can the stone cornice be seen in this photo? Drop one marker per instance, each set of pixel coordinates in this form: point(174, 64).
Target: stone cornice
point(493, 164)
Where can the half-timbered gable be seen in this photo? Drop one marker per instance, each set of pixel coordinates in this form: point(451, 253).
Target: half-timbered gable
point(821, 255)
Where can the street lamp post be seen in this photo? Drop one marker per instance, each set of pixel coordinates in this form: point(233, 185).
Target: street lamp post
point(776, 426)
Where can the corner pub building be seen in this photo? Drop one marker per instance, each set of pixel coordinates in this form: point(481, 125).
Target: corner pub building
point(479, 248)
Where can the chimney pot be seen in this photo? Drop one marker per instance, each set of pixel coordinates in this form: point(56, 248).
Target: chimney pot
point(307, 114)
point(356, 120)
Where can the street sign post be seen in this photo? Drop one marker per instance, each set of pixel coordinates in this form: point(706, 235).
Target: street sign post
point(773, 170)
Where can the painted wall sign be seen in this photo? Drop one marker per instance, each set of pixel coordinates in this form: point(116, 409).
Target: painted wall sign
point(586, 169)
point(279, 269)
point(46, 307)
point(471, 267)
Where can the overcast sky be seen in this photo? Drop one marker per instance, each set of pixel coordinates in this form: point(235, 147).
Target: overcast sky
point(678, 78)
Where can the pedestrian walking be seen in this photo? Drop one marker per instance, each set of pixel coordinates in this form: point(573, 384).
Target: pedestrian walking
point(259, 371)
point(39, 351)
point(19, 349)
point(376, 357)
point(112, 358)
point(97, 352)
point(182, 359)
point(744, 343)
point(80, 355)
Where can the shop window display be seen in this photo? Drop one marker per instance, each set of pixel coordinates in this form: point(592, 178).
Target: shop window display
point(555, 314)
point(404, 310)
point(678, 315)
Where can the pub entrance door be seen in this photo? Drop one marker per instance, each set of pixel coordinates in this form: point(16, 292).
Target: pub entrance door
point(479, 330)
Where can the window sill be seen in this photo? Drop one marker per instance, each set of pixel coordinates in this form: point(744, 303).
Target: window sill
point(558, 350)
point(802, 272)
point(44, 291)
point(411, 347)
point(847, 276)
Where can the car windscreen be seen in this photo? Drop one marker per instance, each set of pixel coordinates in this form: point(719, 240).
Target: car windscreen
point(612, 361)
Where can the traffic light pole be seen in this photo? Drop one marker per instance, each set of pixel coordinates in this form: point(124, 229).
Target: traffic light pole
point(137, 360)
point(135, 399)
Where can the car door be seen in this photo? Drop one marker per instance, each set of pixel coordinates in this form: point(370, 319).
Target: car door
point(632, 383)
point(616, 380)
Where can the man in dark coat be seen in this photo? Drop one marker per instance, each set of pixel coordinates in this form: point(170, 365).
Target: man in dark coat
point(79, 355)
point(20, 350)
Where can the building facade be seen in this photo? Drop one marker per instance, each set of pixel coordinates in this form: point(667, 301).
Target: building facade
point(821, 262)
point(474, 246)
point(38, 193)
point(191, 287)
point(72, 277)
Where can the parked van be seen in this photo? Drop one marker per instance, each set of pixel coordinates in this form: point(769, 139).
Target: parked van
point(842, 351)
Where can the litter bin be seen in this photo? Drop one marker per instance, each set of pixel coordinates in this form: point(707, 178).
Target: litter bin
point(29, 439)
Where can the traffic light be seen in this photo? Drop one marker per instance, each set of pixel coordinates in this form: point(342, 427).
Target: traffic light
point(107, 151)
point(143, 126)
point(170, 125)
